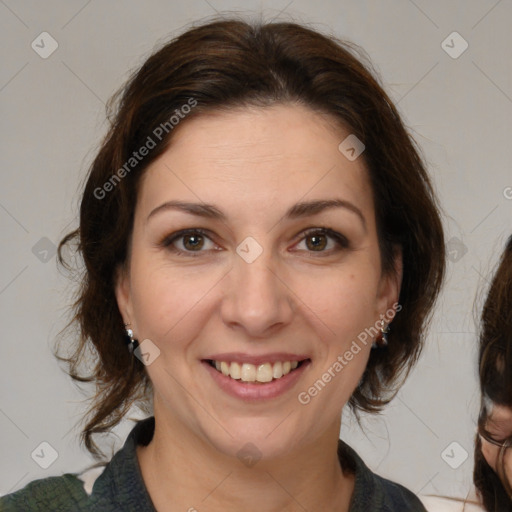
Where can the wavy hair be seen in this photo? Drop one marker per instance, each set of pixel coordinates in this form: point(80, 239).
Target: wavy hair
point(227, 64)
point(495, 372)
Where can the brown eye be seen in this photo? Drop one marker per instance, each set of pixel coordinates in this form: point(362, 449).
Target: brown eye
point(316, 242)
point(193, 242)
point(323, 240)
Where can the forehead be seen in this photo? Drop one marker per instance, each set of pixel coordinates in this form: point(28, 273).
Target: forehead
point(501, 413)
point(499, 421)
point(283, 152)
point(262, 136)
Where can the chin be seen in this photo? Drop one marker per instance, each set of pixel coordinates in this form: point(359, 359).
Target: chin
point(254, 440)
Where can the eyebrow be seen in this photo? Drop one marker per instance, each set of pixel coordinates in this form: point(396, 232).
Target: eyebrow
point(299, 210)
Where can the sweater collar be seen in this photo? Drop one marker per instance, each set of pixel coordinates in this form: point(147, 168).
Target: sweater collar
point(122, 479)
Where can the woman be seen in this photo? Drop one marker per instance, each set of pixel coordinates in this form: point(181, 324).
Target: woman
point(252, 223)
point(493, 448)
point(492, 473)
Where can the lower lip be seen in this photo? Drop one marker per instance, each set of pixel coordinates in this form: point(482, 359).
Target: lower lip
point(253, 391)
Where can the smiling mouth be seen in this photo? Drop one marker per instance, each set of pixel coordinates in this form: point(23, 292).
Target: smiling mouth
point(261, 373)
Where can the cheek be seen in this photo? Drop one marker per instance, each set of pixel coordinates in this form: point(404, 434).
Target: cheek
point(343, 301)
point(168, 301)
point(508, 465)
point(344, 306)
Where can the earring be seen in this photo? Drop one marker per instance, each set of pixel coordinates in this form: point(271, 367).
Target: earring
point(131, 342)
point(382, 339)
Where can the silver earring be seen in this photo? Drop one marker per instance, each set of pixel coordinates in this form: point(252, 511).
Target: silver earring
point(131, 341)
point(382, 339)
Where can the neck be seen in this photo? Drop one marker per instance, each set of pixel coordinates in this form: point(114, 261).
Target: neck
point(182, 472)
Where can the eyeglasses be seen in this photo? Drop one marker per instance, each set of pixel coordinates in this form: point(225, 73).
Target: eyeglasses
point(505, 447)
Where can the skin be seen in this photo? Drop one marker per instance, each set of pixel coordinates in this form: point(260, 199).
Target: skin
point(499, 427)
point(253, 165)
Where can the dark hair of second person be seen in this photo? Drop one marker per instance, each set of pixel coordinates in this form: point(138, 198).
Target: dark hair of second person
point(493, 447)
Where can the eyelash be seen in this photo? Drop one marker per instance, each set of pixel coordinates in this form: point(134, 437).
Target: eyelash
point(339, 239)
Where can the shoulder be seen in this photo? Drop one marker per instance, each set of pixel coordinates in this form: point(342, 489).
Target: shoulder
point(394, 496)
point(373, 492)
point(438, 504)
point(64, 493)
point(117, 485)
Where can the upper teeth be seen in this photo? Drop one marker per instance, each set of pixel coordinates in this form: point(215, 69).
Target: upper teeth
point(248, 372)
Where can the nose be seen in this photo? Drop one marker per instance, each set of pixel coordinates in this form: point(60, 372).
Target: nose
point(257, 300)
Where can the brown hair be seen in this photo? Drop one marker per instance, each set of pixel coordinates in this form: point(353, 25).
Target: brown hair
point(495, 371)
point(222, 65)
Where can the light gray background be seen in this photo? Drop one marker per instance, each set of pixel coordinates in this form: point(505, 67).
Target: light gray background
point(53, 119)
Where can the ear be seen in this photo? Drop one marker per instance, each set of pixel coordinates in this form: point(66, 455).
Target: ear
point(123, 293)
point(390, 285)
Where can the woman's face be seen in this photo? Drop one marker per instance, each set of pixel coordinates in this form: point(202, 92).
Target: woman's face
point(499, 428)
point(255, 285)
